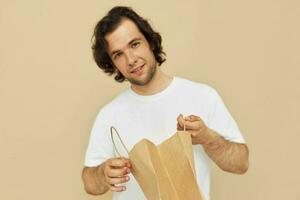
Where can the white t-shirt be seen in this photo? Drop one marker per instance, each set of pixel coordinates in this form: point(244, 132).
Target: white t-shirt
point(154, 117)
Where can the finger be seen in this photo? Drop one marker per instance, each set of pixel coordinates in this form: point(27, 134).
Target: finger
point(117, 188)
point(196, 125)
point(119, 162)
point(117, 172)
point(118, 180)
point(193, 118)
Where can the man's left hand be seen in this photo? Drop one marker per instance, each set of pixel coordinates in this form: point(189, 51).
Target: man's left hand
point(200, 133)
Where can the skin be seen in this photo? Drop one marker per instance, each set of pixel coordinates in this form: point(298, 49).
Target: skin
point(128, 49)
point(229, 156)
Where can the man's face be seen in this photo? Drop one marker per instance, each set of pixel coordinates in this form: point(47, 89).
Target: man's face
point(131, 53)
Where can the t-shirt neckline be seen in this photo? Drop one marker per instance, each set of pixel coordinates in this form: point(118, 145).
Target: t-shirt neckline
point(160, 94)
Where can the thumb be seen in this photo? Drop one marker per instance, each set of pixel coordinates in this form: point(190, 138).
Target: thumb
point(193, 118)
point(180, 120)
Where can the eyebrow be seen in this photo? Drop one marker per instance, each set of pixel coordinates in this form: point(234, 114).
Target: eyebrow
point(130, 43)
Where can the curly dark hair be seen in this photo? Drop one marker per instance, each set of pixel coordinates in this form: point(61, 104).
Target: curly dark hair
point(108, 24)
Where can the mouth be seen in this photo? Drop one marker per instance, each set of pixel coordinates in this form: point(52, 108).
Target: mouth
point(138, 69)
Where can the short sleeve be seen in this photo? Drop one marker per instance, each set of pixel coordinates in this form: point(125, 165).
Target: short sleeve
point(221, 121)
point(100, 146)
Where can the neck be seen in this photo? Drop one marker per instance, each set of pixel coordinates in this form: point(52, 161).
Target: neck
point(159, 82)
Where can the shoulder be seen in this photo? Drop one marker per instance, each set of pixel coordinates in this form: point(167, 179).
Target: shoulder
point(113, 106)
point(196, 87)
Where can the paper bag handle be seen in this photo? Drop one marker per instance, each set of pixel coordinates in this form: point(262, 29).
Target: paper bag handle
point(113, 141)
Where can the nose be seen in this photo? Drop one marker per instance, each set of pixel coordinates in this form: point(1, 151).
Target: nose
point(131, 58)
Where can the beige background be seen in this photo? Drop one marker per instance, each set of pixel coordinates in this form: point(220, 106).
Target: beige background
point(51, 89)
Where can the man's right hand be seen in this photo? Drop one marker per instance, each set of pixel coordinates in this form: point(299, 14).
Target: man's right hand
point(116, 171)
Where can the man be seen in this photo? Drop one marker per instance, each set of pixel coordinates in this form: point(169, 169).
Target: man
point(153, 107)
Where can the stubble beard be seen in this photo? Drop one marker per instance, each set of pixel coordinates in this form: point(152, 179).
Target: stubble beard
point(149, 76)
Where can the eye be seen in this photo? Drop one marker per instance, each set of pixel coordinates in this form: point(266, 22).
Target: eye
point(117, 55)
point(135, 44)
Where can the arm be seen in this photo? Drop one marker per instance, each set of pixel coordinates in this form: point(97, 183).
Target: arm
point(98, 180)
point(229, 156)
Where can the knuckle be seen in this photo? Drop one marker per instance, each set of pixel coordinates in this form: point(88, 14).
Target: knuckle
point(108, 174)
point(106, 170)
point(124, 170)
point(108, 163)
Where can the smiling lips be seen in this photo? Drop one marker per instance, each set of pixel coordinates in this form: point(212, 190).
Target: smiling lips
point(137, 69)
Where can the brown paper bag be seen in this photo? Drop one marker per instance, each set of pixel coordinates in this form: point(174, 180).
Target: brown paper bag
point(166, 171)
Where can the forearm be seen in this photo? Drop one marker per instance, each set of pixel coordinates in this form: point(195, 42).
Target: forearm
point(93, 178)
point(229, 156)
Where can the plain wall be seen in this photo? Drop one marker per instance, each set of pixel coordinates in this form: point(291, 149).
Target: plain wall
point(51, 89)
